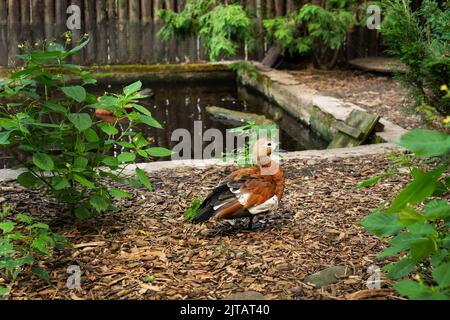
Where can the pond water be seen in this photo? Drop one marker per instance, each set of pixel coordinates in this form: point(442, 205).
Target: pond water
point(179, 105)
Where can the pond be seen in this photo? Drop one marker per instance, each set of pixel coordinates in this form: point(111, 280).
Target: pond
point(177, 105)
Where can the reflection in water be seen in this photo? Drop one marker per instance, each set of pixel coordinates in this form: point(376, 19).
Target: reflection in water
point(179, 105)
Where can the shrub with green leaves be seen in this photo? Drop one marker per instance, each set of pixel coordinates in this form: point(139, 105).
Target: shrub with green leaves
point(315, 30)
point(223, 28)
point(421, 40)
point(76, 157)
point(418, 219)
point(24, 243)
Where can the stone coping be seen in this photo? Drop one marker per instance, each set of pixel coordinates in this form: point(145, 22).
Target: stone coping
point(320, 112)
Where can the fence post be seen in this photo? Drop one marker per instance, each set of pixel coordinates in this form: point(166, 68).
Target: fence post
point(3, 33)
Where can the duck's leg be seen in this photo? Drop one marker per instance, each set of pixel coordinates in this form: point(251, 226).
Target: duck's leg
point(250, 223)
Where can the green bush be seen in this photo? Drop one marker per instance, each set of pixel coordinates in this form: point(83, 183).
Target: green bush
point(23, 244)
point(421, 40)
point(223, 28)
point(315, 30)
point(49, 117)
point(418, 219)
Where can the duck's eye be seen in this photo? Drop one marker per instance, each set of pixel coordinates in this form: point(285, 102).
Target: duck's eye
point(269, 144)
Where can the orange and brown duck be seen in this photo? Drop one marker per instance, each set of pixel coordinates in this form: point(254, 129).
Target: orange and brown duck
point(247, 192)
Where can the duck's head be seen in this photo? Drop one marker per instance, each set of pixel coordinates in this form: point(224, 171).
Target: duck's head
point(263, 150)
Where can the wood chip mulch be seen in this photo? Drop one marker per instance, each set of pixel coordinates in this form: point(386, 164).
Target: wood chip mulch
point(315, 227)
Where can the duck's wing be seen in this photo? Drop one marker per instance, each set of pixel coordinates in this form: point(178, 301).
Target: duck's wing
point(244, 189)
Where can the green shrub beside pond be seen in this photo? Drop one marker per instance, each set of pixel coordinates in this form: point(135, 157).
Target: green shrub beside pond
point(49, 116)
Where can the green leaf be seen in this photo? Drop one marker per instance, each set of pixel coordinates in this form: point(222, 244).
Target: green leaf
point(401, 242)
point(41, 226)
point(82, 213)
point(80, 46)
point(6, 247)
point(399, 269)
point(43, 161)
point(100, 203)
point(83, 181)
point(422, 249)
point(408, 216)
point(3, 291)
point(77, 93)
point(437, 258)
point(137, 184)
point(132, 88)
point(191, 213)
point(370, 182)
point(125, 157)
point(437, 209)
point(91, 135)
point(422, 229)
point(412, 289)
point(7, 226)
point(419, 189)
point(41, 273)
point(125, 144)
point(107, 128)
point(159, 152)
point(110, 161)
point(382, 224)
point(117, 193)
point(150, 121)
point(426, 143)
point(41, 244)
point(143, 179)
point(27, 180)
point(59, 183)
point(4, 138)
point(141, 109)
point(442, 275)
point(80, 162)
point(55, 107)
point(81, 121)
point(24, 218)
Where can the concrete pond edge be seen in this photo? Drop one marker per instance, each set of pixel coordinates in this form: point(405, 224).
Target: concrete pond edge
point(322, 113)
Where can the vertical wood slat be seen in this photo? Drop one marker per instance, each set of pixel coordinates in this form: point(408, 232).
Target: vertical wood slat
point(76, 34)
point(112, 31)
point(122, 48)
point(101, 28)
point(13, 29)
point(3, 33)
point(60, 17)
point(90, 17)
point(134, 30)
point(147, 30)
point(146, 11)
point(49, 18)
point(156, 7)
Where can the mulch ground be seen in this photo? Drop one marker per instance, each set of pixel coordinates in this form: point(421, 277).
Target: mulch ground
point(315, 227)
point(377, 93)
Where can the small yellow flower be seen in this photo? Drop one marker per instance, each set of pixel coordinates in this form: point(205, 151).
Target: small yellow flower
point(444, 87)
point(446, 120)
point(142, 232)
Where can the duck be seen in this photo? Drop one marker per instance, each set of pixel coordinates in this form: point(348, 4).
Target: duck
point(247, 192)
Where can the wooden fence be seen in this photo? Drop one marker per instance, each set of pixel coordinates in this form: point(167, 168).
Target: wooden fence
point(124, 31)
